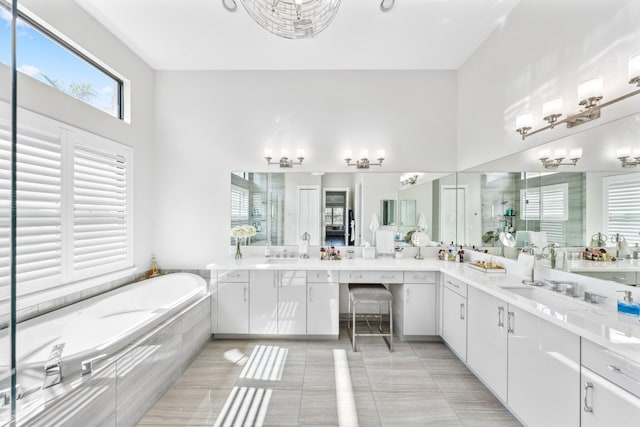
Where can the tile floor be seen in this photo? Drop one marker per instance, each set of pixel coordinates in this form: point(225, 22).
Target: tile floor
point(294, 383)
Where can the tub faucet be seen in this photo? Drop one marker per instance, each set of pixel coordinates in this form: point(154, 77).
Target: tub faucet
point(5, 394)
point(53, 367)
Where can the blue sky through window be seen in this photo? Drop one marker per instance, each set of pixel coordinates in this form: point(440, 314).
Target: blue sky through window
point(39, 56)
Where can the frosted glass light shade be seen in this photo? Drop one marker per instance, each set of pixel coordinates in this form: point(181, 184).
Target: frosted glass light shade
point(524, 120)
point(300, 153)
point(560, 153)
point(591, 89)
point(348, 154)
point(634, 67)
point(623, 152)
point(381, 154)
point(364, 154)
point(553, 106)
point(268, 152)
point(544, 154)
point(284, 152)
point(576, 153)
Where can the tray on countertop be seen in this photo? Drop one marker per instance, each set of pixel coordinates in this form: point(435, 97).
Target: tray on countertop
point(485, 269)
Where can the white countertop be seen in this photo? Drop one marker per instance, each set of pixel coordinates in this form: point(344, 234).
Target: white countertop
point(599, 323)
point(622, 266)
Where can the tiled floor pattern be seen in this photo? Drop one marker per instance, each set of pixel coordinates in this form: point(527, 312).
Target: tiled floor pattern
point(293, 383)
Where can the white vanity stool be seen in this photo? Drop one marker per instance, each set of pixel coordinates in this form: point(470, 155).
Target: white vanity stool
point(370, 293)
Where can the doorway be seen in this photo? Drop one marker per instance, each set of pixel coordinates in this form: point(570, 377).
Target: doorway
point(336, 216)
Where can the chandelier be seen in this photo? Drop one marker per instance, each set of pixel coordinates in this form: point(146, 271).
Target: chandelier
point(292, 19)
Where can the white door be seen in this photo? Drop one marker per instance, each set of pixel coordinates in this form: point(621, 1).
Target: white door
point(605, 404)
point(322, 309)
point(233, 308)
point(419, 309)
point(543, 371)
point(453, 207)
point(487, 340)
point(454, 322)
point(309, 213)
point(263, 306)
point(292, 303)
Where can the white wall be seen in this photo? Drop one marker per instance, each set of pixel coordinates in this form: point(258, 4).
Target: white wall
point(375, 188)
point(71, 20)
point(545, 48)
point(212, 122)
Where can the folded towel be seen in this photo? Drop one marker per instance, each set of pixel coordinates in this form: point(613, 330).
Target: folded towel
point(422, 223)
point(385, 241)
point(374, 226)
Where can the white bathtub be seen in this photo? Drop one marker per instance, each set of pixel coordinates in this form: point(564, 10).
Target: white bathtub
point(101, 325)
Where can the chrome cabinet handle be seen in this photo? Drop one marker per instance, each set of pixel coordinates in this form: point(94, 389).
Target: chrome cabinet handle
point(510, 322)
point(245, 294)
point(453, 284)
point(318, 275)
point(619, 371)
point(310, 295)
point(619, 277)
point(500, 317)
point(462, 311)
point(275, 281)
point(587, 385)
point(392, 276)
point(407, 296)
point(355, 277)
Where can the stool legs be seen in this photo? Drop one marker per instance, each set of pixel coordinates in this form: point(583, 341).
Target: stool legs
point(353, 331)
point(351, 324)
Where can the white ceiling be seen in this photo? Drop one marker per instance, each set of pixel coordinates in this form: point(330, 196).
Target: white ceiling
point(202, 35)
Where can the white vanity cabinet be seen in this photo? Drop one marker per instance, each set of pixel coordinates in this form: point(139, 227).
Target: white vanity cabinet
point(263, 302)
point(610, 388)
point(414, 304)
point(322, 303)
point(232, 302)
point(487, 340)
point(454, 315)
point(543, 371)
point(277, 302)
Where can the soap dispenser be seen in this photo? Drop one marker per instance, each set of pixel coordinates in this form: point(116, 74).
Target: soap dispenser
point(627, 305)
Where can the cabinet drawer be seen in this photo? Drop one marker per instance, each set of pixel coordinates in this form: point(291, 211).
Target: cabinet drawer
point(457, 286)
point(628, 278)
point(371, 277)
point(420, 277)
point(617, 369)
point(322, 276)
point(233, 276)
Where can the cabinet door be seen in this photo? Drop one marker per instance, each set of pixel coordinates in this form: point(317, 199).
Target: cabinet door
point(605, 404)
point(322, 309)
point(543, 371)
point(233, 308)
point(263, 307)
point(292, 303)
point(454, 322)
point(419, 309)
point(487, 340)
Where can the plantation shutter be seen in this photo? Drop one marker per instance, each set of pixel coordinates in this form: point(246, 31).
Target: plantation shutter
point(623, 209)
point(530, 204)
point(239, 205)
point(100, 209)
point(555, 202)
point(39, 217)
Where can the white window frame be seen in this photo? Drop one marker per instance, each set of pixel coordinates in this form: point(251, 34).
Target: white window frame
point(607, 182)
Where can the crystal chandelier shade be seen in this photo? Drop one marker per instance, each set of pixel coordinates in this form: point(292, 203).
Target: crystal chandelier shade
point(292, 19)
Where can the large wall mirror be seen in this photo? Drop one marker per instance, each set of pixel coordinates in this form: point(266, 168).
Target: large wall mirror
point(343, 208)
point(562, 211)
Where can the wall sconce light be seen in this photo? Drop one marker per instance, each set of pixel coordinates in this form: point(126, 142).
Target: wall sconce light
point(590, 94)
point(285, 161)
point(364, 162)
point(409, 180)
point(628, 160)
point(558, 157)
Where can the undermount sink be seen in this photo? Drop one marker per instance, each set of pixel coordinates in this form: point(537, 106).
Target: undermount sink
point(550, 299)
point(281, 260)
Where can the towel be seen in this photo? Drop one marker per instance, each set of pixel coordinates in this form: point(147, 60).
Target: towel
point(373, 226)
point(422, 223)
point(384, 241)
point(525, 264)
